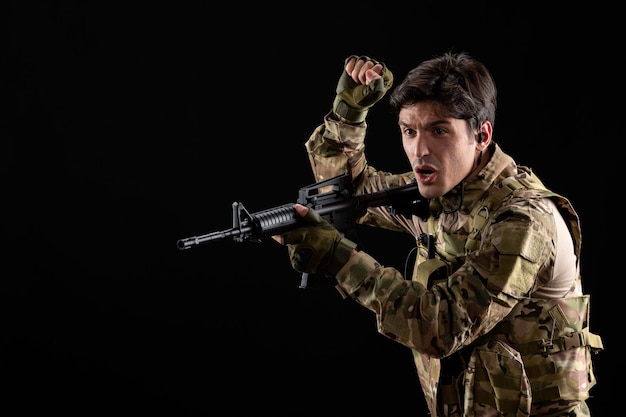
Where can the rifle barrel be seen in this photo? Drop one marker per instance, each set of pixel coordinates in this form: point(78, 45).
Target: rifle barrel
point(197, 240)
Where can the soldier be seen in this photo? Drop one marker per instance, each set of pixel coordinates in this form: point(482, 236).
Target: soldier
point(494, 313)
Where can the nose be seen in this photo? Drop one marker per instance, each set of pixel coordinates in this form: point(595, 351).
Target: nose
point(416, 147)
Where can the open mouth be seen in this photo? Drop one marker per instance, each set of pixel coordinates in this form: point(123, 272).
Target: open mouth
point(425, 175)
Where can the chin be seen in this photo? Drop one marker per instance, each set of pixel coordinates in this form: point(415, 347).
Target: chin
point(428, 191)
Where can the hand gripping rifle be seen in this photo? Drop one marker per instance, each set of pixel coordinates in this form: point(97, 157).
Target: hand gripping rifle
point(339, 206)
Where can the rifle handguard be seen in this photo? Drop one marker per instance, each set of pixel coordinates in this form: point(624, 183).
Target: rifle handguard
point(342, 253)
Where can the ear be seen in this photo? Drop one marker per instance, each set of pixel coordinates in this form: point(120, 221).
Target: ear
point(484, 135)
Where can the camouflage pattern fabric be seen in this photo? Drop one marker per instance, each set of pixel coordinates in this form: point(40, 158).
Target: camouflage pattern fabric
point(521, 356)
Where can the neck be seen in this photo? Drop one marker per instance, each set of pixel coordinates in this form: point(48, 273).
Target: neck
point(481, 160)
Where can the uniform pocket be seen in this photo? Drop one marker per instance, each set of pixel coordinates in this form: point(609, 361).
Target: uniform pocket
point(496, 382)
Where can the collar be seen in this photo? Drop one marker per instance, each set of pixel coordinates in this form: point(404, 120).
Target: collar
point(469, 192)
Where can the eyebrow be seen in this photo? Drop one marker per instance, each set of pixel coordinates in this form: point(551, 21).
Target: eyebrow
point(429, 124)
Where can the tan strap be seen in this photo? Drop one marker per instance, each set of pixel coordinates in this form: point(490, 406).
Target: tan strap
point(492, 202)
point(546, 394)
point(574, 340)
point(508, 407)
point(481, 212)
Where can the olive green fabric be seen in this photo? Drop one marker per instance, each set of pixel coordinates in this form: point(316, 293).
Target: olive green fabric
point(317, 247)
point(354, 100)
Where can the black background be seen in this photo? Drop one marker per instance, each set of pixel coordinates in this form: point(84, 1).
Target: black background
point(127, 126)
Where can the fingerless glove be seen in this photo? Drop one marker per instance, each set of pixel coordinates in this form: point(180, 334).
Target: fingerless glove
point(353, 100)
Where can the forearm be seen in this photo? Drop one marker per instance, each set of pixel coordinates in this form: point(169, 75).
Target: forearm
point(436, 321)
point(336, 148)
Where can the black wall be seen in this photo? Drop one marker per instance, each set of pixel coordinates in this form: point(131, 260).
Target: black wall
point(129, 126)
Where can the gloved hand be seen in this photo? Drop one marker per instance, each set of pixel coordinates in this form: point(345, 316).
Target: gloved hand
point(353, 98)
point(317, 247)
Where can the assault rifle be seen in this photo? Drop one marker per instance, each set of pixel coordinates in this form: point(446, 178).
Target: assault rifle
point(333, 199)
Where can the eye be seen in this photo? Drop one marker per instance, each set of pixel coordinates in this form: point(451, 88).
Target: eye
point(439, 131)
point(407, 131)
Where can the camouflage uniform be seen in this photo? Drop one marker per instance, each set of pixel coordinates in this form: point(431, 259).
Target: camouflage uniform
point(483, 342)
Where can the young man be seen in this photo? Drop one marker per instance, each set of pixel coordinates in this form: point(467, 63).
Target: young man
point(494, 312)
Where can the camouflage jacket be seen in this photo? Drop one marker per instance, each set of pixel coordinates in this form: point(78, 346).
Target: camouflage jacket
point(481, 337)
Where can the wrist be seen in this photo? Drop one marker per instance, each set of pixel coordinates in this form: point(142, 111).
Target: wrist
point(343, 252)
point(347, 114)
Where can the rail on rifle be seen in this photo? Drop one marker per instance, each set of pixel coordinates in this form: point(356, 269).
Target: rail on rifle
point(332, 199)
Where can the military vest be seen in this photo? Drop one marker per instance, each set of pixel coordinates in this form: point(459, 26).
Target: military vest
point(537, 358)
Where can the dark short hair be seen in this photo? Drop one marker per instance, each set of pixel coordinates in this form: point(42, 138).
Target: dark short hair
point(457, 81)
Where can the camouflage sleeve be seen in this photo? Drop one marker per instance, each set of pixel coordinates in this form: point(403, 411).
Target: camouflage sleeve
point(381, 217)
point(436, 321)
point(336, 148)
point(515, 253)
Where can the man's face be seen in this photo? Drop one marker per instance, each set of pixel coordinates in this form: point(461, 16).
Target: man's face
point(441, 150)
